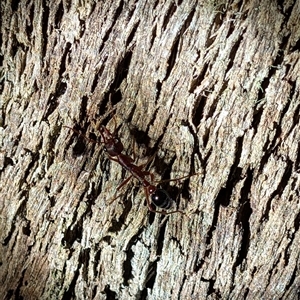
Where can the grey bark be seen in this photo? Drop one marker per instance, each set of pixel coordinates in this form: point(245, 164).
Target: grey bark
point(211, 88)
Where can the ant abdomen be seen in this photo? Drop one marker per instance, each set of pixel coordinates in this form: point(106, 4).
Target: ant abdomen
point(162, 199)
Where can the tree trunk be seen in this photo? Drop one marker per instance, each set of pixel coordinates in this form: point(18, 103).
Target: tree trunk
point(204, 87)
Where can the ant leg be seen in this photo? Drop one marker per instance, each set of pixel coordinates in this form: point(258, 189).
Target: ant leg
point(147, 173)
point(97, 124)
point(124, 182)
point(114, 198)
point(121, 185)
point(149, 160)
point(80, 134)
point(176, 179)
point(114, 115)
point(115, 125)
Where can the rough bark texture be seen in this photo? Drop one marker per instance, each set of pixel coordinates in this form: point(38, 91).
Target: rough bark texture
point(210, 88)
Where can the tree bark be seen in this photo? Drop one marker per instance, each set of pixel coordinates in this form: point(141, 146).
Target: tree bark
point(211, 89)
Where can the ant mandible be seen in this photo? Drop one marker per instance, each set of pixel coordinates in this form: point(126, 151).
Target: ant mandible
point(114, 149)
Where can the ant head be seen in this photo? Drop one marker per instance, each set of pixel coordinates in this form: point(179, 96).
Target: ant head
point(160, 197)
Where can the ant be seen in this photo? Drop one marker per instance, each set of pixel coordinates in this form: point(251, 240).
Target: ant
point(114, 148)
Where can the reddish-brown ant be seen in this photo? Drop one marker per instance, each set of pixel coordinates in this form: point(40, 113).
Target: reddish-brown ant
point(114, 148)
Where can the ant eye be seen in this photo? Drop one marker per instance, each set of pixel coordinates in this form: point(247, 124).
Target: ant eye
point(161, 198)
